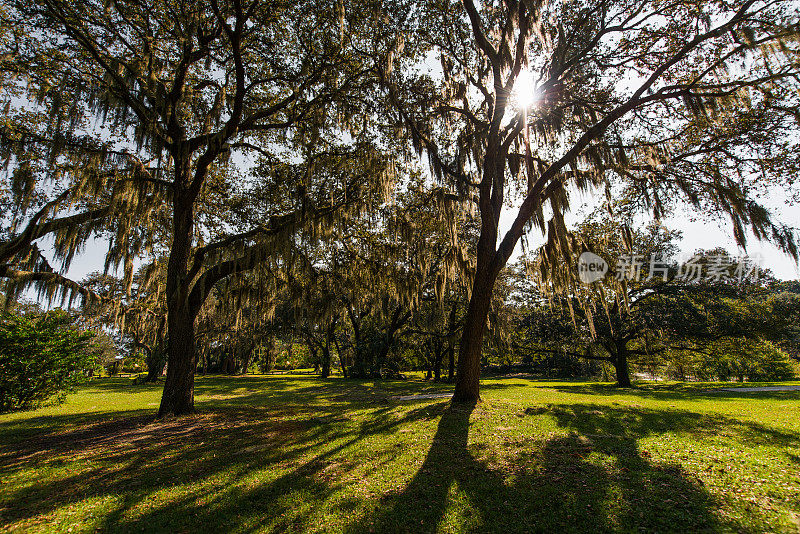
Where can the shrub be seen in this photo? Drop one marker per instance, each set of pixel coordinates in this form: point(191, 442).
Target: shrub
point(42, 356)
point(770, 363)
point(750, 359)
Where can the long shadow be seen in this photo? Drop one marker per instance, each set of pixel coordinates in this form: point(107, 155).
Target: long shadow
point(675, 392)
point(655, 391)
point(135, 457)
point(241, 396)
point(423, 503)
point(273, 505)
point(599, 421)
point(581, 482)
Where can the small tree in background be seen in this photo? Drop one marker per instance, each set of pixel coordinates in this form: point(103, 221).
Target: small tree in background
point(42, 356)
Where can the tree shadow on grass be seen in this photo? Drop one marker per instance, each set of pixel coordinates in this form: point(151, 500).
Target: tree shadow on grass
point(596, 420)
point(593, 479)
point(288, 502)
point(272, 460)
point(300, 392)
point(674, 392)
point(133, 459)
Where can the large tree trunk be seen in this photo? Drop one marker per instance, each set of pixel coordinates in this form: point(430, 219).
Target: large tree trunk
point(389, 338)
point(312, 350)
point(326, 348)
point(469, 355)
point(326, 361)
point(357, 365)
point(178, 396)
point(270, 356)
point(489, 262)
point(229, 361)
point(621, 365)
point(247, 356)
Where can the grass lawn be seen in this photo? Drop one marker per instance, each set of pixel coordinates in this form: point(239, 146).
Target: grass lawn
point(296, 453)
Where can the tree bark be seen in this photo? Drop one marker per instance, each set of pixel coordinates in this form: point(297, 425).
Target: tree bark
point(312, 350)
point(247, 356)
point(489, 262)
point(469, 355)
point(178, 396)
point(621, 365)
point(389, 337)
point(271, 355)
point(357, 367)
point(342, 357)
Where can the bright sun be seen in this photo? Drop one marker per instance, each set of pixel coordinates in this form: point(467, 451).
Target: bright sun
point(524, 95)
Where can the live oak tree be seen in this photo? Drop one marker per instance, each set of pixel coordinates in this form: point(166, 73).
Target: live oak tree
point(312, 306)
point(61, 183)
point(237, 318)
point(622, 314)
point(521, 102)
point(224, 135)
point(166, 103)
point(435, 329)
point(380, 270)
point(41, 200)
point(648, 309)
point(735, 330)
point(137, 311)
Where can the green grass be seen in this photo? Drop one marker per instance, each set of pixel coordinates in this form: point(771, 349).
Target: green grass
point(295, 453)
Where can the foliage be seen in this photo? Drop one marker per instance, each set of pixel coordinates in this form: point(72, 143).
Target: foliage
point(733, 358)
point(647, 315)
point(666, 105)
point(41, 357)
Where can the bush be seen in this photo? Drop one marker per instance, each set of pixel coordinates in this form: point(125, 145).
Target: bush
point(41, 358)
point(769, 363)
point(735, 358)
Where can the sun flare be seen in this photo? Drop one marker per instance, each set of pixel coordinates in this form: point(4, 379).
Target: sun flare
point(525, 94)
